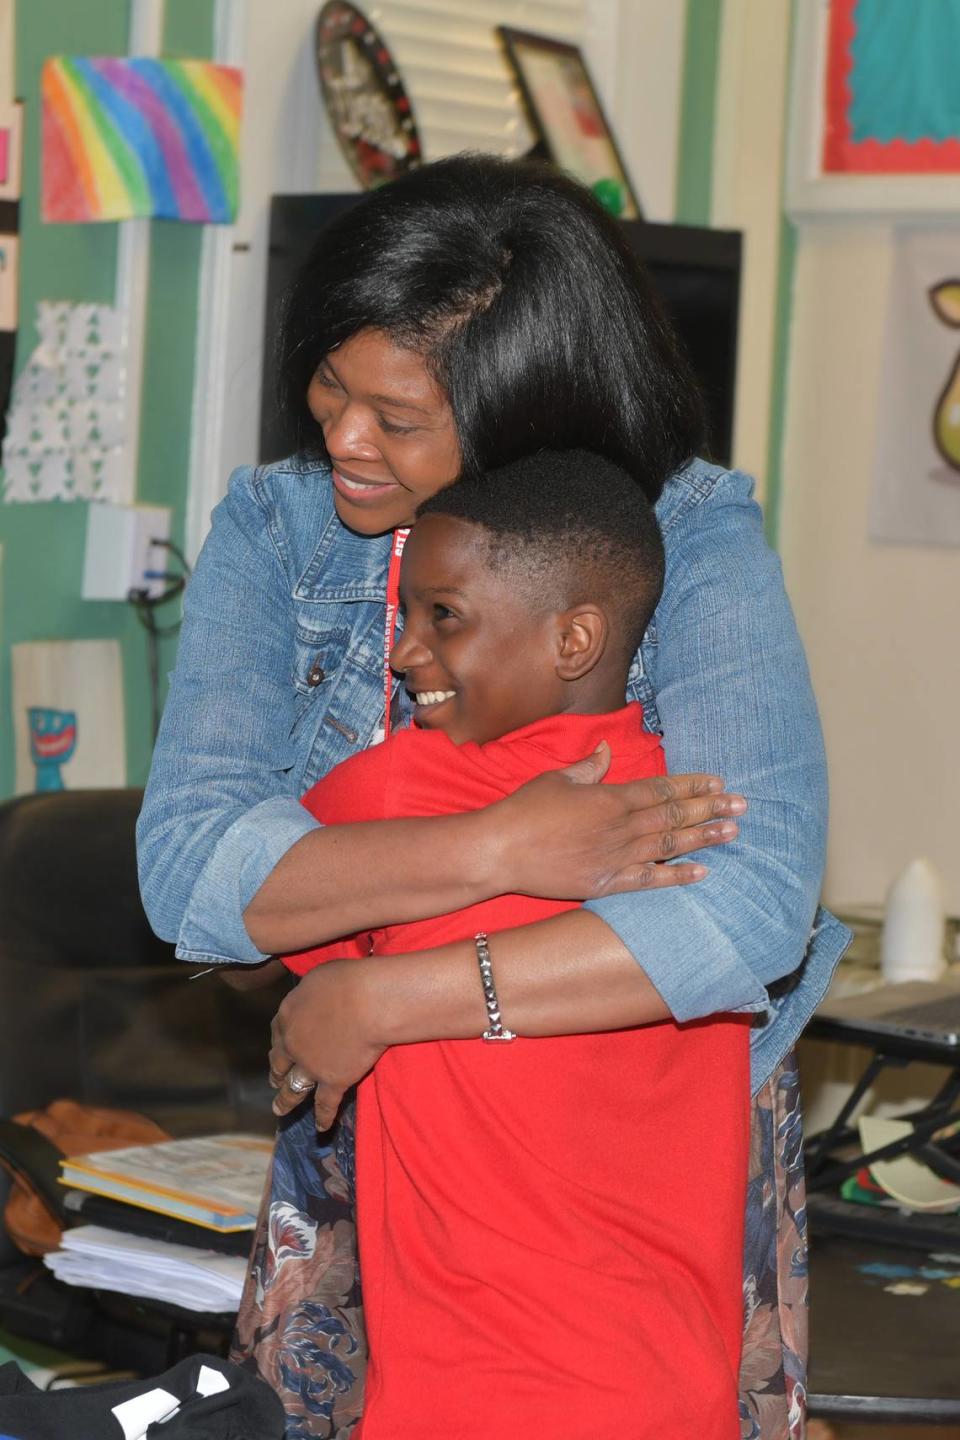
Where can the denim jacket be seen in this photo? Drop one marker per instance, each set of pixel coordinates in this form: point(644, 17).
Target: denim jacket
point(279, 677)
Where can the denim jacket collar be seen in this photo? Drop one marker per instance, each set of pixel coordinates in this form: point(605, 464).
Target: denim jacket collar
point(345, 566)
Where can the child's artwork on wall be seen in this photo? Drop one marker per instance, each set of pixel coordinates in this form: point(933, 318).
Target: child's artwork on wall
point(144, 137)
point(67, 425)
point(916, 477)
point(890, 93)
point(9, 280)
point(68, 715)
point(11, 130)
point(53, 740)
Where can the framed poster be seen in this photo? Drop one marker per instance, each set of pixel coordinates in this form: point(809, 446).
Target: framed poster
point(915, 495)
point(874, 125)
point(566, 115)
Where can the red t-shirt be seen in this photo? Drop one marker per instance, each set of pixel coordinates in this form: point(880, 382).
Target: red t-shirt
point(550, 1230)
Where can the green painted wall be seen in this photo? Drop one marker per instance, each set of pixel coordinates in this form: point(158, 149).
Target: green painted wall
point(778, 388)
point(698, 105)
point(43, 543)
point(786, 266)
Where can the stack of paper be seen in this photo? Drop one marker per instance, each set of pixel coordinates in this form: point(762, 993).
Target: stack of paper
point(110, 1260)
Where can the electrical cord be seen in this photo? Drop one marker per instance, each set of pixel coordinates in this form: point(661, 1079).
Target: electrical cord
point(145, 607)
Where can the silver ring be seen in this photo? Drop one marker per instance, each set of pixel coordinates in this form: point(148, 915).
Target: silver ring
point(300, 1084)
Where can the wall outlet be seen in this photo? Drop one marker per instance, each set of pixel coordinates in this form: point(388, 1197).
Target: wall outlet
point(121, 551)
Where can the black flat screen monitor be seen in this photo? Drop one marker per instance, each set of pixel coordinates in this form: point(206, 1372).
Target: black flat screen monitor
point(695, 272)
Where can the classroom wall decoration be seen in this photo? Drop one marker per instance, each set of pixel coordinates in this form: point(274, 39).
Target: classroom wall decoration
point(368, 104)
point(124, 138)
point(9, 276)
point(11, 135)
point(67, 425)
point(11, 142)
point(891, 88)
point(916, 476)
point(68, 715)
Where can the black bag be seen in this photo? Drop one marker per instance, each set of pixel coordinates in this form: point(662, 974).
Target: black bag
point(202, 1398)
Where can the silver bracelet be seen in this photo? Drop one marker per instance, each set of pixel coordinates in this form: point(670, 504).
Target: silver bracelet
point(496, 1030)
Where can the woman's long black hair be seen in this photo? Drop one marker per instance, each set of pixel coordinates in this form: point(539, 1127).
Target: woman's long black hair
point(527, 304)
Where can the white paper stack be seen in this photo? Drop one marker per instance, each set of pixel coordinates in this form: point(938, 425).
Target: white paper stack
point(152, 1269)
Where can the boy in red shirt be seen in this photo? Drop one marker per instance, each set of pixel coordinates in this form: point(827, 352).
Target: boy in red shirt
point(550, 1229)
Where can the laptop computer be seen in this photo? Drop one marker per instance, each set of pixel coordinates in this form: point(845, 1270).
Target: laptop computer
point(913, 1010)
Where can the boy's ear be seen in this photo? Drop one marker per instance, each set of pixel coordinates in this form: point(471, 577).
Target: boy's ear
point(582, 634)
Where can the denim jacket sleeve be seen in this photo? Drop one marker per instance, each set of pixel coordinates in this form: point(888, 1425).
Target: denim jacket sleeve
point(724, 677)
point(220, 809)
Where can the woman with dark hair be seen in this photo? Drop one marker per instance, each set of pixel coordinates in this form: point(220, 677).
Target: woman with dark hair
point(473, 312)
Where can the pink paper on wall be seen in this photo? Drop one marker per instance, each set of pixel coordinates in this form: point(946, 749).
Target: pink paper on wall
point(11, 120)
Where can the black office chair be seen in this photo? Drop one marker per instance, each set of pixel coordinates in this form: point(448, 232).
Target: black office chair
point(95, 1008)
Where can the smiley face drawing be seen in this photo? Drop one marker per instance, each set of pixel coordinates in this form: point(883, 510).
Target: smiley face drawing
point(945, 299)
point(53, 739)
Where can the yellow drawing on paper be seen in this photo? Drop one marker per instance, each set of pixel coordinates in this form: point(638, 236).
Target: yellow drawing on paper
point(945, 299)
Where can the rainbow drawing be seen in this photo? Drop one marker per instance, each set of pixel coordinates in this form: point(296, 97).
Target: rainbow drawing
point(142, 137)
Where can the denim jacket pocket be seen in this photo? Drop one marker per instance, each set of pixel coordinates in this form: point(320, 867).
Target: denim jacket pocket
point(318, 655)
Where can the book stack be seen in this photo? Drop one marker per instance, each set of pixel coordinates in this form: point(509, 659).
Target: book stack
point(171, 1221)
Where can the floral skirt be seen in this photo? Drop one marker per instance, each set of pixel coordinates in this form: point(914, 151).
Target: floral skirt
point(301, 1318)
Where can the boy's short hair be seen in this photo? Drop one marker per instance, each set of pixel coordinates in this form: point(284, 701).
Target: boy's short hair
point(571, 527)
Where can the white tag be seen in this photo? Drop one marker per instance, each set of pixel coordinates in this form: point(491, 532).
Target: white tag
point(137, 1415)
point(211, 1382)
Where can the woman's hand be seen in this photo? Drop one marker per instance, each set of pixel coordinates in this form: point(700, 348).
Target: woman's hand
point(567, 975)
point(564, 836)
point(322, 1039)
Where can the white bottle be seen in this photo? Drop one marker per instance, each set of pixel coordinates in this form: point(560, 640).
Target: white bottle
point(911, 947)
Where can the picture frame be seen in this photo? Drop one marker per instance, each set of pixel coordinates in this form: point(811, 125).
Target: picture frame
point(812, 191)
point(565, 114)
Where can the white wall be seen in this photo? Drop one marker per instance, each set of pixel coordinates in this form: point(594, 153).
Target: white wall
point(879, 621)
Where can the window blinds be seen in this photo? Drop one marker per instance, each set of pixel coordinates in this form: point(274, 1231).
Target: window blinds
point(454, 70)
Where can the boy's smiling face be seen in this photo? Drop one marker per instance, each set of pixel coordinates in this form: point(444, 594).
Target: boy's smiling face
point(480, 659)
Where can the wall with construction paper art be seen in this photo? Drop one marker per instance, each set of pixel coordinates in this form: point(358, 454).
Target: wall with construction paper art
point(43, 543)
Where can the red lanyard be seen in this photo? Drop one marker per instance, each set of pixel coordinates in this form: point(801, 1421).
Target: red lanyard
point(390, 622)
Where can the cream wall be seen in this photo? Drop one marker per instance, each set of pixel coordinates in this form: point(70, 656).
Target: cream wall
point(747, 195)
point(879, 621)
